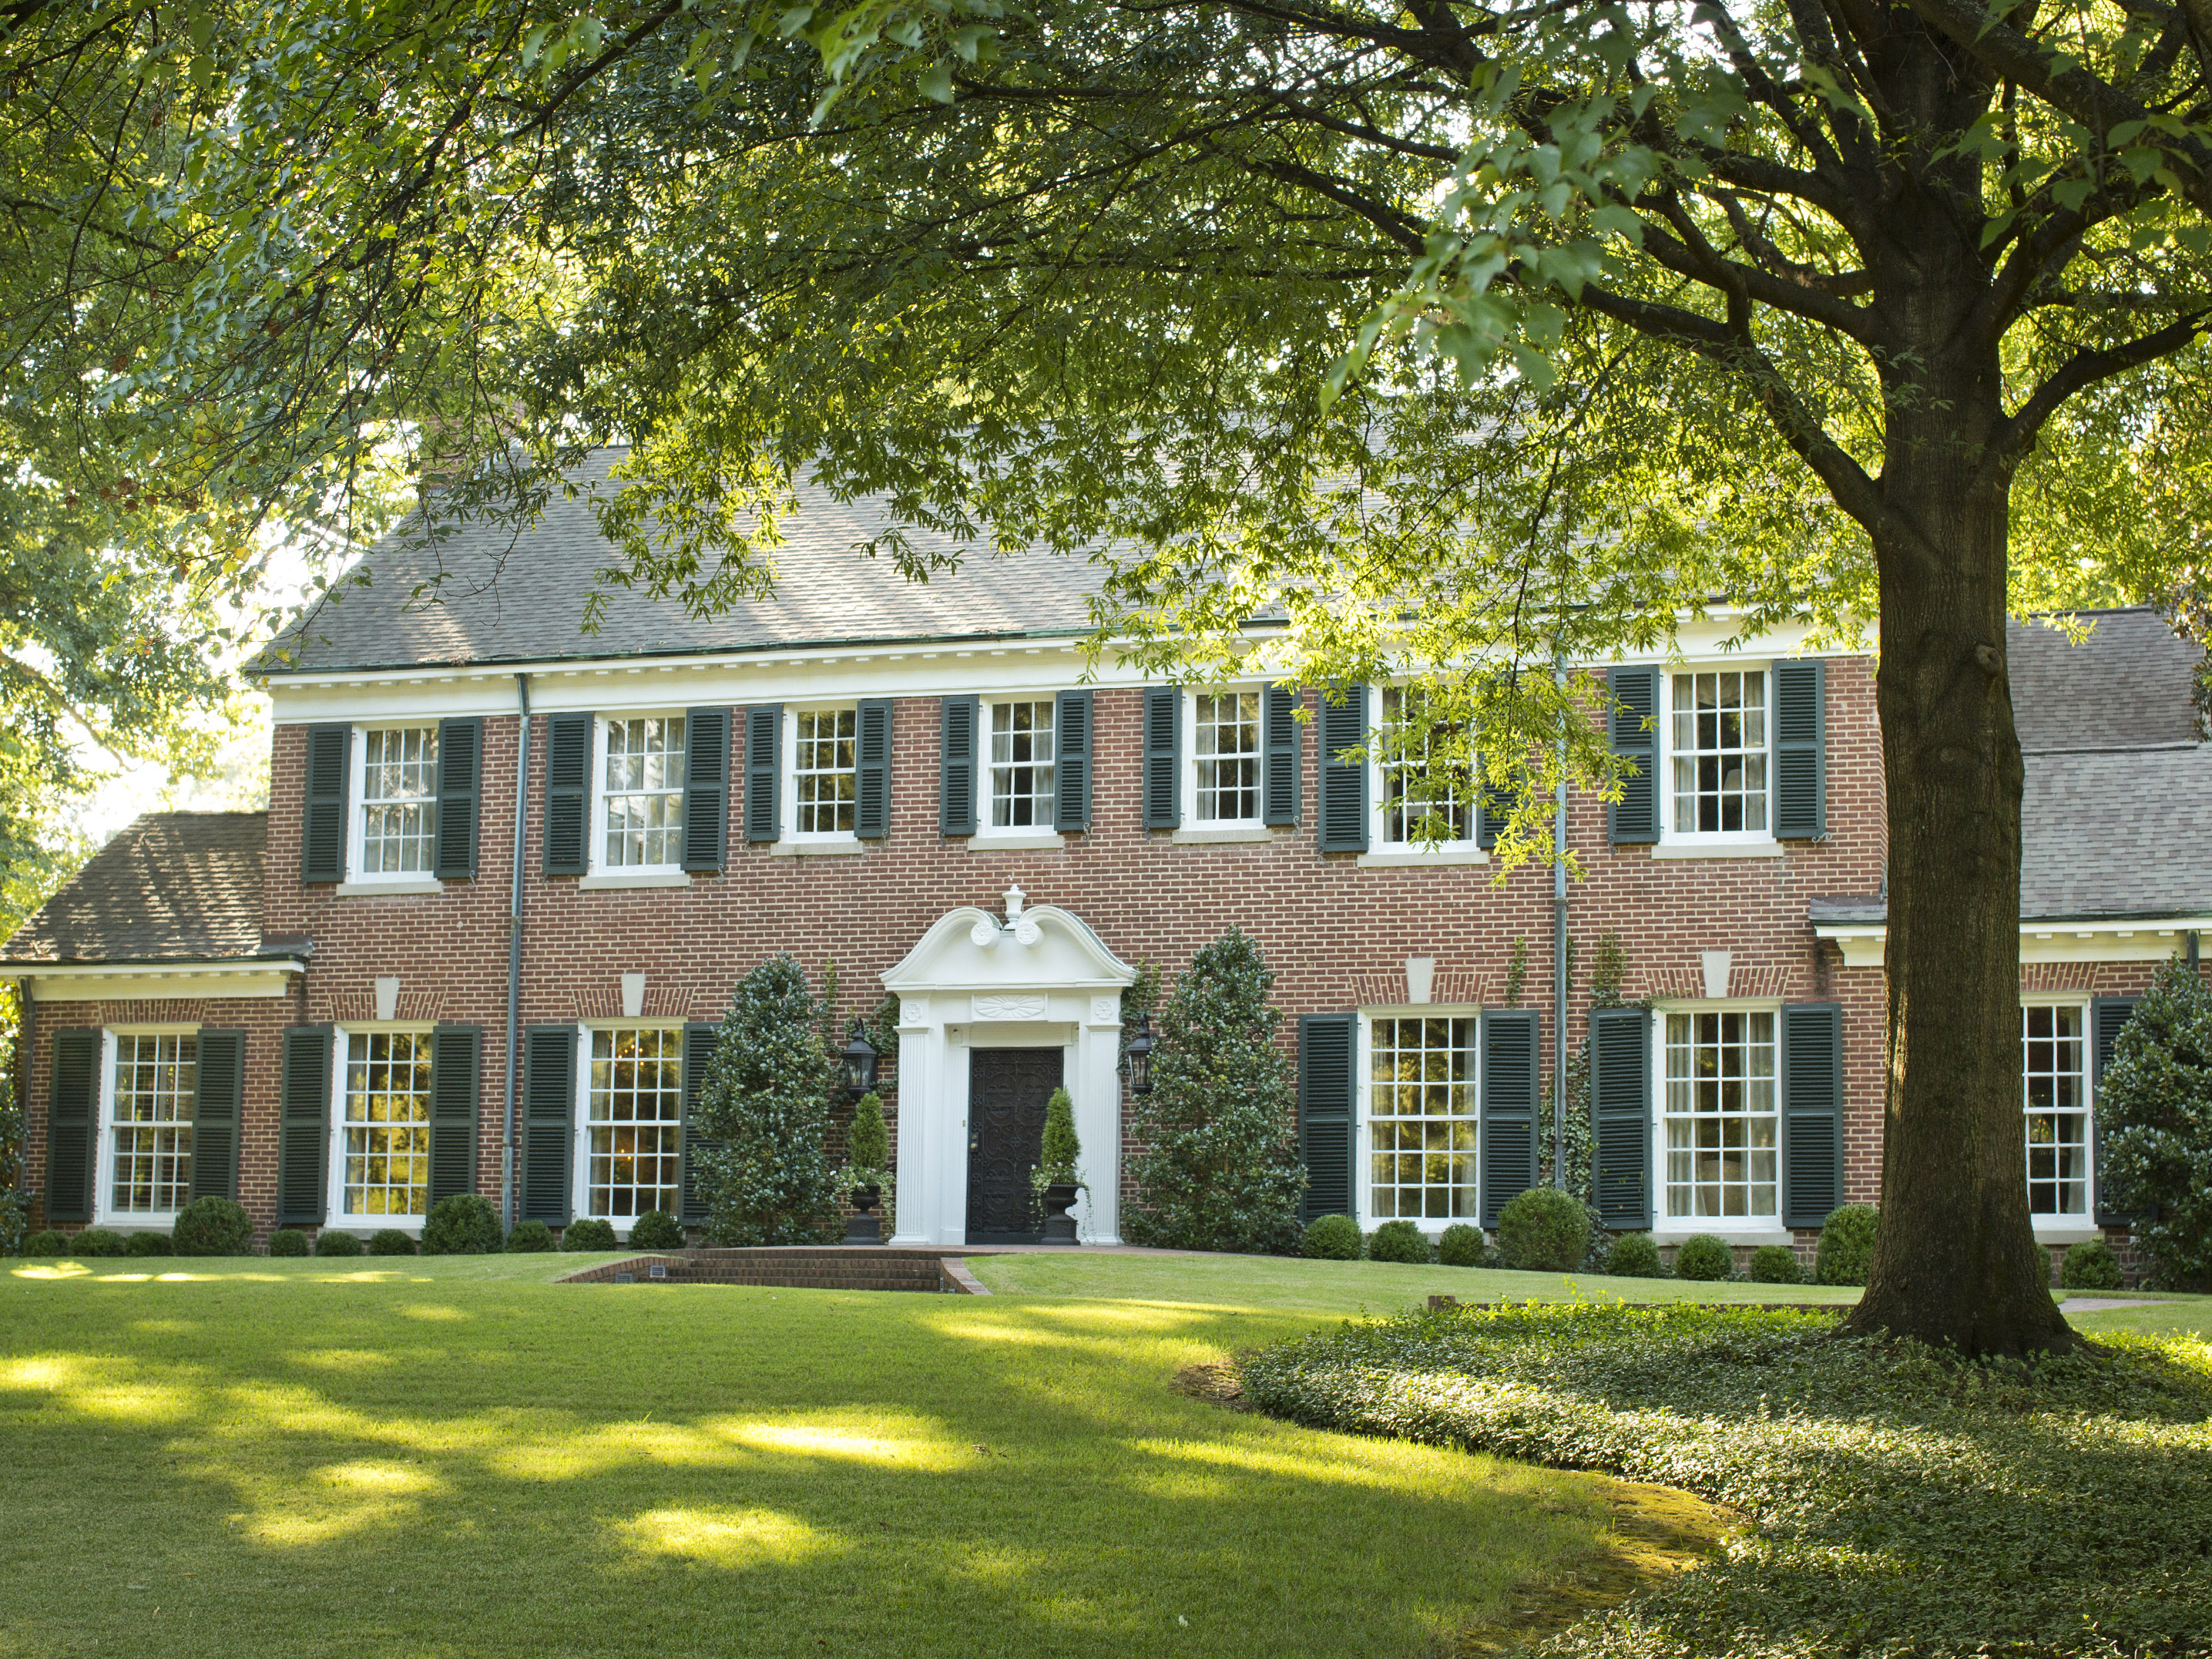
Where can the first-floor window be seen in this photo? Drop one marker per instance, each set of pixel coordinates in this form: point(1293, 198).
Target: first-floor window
point(1423, 792)
point(1721, 1114)
point(1227, 752)
point(825, 774)
point(2056, 1104)
point(387, 1123)
point(634, 1120)
point(1421, 1119)
point(1022, 765)
point(156, 1079)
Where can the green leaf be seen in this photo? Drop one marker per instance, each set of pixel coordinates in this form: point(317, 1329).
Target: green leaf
point(936, 82)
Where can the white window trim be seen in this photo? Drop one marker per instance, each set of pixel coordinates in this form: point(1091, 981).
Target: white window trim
point(1012, 837)
point(1194, 828)
point(822, 840)
point(357, 880)
point(598, 872)
point(2068, 1228)
point(1670, 1228)
point(334, 1215)
point(1709, 843)
point(1363, 1138)
point(580, 1151)
point(1385, 852)
point(104, 1213)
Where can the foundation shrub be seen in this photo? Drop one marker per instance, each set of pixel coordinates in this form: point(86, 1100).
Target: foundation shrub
point(464, 1224)
point(1332, 1238)
point(2090, 1264)
point(98, 1241)
point(656, 1229)
point(2155, 1110)
point(212, 1226)
point(1461, 1246)
point(49, 1241)
point(1543, 1230)
point(288, 1241)
point(1397, 1241)
point(1633, 1255)
point(1775, 1264)
point(1846, 1249)
point(1703, 1257)
point(148, 1244)
point(529, 1237)
point(390, 1241)
point(589, 1234)
point(336, 1242)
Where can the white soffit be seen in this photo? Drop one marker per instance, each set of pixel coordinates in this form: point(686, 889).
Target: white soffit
point(2123, 940)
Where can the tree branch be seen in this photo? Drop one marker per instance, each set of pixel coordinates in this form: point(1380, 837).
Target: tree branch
point(2085, 369)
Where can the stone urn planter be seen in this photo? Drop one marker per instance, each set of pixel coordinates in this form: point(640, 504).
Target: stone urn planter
point(866, 1227)
point(1059, 1226)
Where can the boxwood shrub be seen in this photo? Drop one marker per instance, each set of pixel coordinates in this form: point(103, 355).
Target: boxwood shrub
point(656, 1229)
point(589, 1234)
point(97, 1240)
point(2090, 1264)
point(390, 1241)
point(1703, 1257)
point(148, 1244)
point(1775, 1264)
point(1461, 1246)
point(1397, 1241)
point(1543, 1230)
point(288, 1241)
point(529, 1237)
point(1633, 1255)
point(212, 1226)
point(1847, 1245)
point(464, 1224)
point(1334, 1238)
point(336, 1241)
point(50, 1241)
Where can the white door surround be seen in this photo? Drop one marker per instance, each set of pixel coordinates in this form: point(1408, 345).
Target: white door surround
point(1037, 979)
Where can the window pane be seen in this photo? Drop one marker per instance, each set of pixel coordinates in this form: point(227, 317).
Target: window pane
point(387, 1123)
point(1719, 752)
point(824, 772)
point(1423, 792)
point(155, 1080)
point(1721, 1112)
point(1421, 1113)
point(399, 787)
point(2054, 1100)
point(644, 792)
point(634, 1118)
point(1021, 768)
point(1227, 752)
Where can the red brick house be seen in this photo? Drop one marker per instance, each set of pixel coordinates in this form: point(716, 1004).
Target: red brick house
point(379, 993)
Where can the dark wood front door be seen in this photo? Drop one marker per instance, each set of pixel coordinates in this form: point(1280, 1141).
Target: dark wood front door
point(1007, 1088)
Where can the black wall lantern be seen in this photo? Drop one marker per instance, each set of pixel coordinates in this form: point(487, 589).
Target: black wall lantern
point(858, 1059)
point(1140, 1056)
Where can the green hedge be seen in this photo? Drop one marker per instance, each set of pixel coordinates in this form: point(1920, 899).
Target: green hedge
point(656, 1229)
point(1846, 1251)
point(1703, 1257)
point(1461, 1246)
point(589, 1234)
point(288, 1241)
point(391, 1241)
point(98, 1241)
point(336, 1242)
point(529, 1237)
point(2090, 1264)
point(212, 1226)
point(1543, 1230)
point(1398, 1241)
point(1776, 1264)
point(148, 1244)
point(464, 1224)
point(48, 1241)
point(1633, 1255)
point(1334, 1238)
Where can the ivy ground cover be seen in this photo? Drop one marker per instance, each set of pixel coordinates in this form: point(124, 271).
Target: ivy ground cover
point(1897, 1503)
point(436, 1458)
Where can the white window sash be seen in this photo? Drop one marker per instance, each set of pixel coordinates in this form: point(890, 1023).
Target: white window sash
point(1666, 1217)
point(104, 1212)
point(1045, 814)
point(2085, 1215)
point(580, 1161)
point(790, 773)
point(1380, 791)
point(1666, 754)
point(357, 868)
point(597, 863)
point(1258, 757)
point(335, 1213)
point(1364, 1115)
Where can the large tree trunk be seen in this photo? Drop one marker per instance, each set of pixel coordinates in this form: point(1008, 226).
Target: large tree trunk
point(1955, 1261)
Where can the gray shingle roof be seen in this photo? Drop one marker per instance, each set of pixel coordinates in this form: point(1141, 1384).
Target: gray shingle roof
point(506, 599)
point(2125, 686)
point(170, 887)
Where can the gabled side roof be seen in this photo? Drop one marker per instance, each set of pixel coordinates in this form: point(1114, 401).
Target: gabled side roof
point(170, 887)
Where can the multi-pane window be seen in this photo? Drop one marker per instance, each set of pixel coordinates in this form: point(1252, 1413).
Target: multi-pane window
point(1021, 768)
point(824, 775)
point(2056, 1104)
point(1421, 1118)
point(1721, 1116)
point(398, 791)
point(634, 1122)
point(387, 1123)
point(1424, 794)
point(644, 792)
point(156, 1078)
point(1227, 753)
point(1719, 749)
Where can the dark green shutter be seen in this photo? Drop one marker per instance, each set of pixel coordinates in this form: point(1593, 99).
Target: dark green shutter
point(764, 771)
point(548, 1104)
point(1163, 757)
point(1344, 782)
point(72, 1111)
point(1284, 743)
point(872, 765)
point(1510, 1079)
point(2108, 1016)
point(1812, 1112)
point(567, 792)
point(706, 789)
point(460, 784)
point(1801, 763)
point(1620, 1114)
point(698, 1039)
point(456, 1054)
point(1071, 808)
point(955, 766)
point(219, 1094)
point(1493, 810)
point(303, 1129)
point(1326, 1086)
point(1634, 819)
point(323, 823)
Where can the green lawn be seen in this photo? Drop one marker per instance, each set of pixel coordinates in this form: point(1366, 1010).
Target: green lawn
point(455, 1456)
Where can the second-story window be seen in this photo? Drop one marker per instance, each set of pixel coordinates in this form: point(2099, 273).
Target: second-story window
point(1719, 744)
point(1424, 796)
point(1021, 768)
point(398, 791)
point(644, 792)
point(825, 772)
point(1226, 756)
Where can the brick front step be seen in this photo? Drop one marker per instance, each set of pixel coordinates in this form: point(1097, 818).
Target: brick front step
point(803, 1268)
